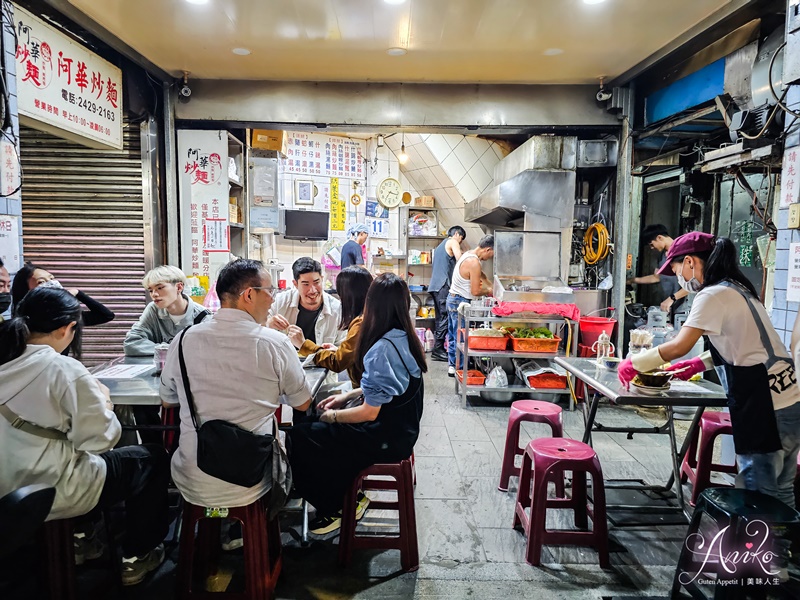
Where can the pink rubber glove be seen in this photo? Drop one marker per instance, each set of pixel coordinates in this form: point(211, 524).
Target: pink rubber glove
point(693, 366)
point(626, 372)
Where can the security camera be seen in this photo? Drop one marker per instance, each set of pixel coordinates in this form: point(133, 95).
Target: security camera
point(603, 96)
point(185, 91)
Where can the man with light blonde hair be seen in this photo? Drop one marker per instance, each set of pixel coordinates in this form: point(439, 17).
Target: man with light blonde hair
point(170, 312)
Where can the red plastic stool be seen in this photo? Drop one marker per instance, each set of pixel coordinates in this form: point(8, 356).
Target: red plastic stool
point(406, 540)
point(534, 411)
point(698, 463)
point(544, 459)
point(262, 549)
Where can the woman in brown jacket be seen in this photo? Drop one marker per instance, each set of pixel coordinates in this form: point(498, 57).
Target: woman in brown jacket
point(352, 285)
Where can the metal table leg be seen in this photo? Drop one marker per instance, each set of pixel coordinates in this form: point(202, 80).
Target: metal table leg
point(304, 529)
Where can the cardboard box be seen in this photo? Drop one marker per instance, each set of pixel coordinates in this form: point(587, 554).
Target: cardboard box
point(269, 139)
point(424, 201)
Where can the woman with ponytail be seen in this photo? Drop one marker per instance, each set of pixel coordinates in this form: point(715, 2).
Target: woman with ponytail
point(755, 368)
point(57, 428)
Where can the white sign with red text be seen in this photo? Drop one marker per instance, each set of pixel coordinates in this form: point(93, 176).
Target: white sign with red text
point(66, 86)
point(793, 283)
point(790, 176)
point(203, 190)
point(9, 243)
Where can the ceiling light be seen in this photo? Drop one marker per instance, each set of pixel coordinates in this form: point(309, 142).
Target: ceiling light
point(394, 1)
point(380, 140)
point(403, 157)
point(593, 1)
point(396, 51)
point(241, 51)
point(197, 1)
point(553, 52)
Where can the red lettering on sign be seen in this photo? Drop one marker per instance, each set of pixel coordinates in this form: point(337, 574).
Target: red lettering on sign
point(111, 92)
point(65, 66)
point(31, 73)
point(97, 84)
point(81, 79)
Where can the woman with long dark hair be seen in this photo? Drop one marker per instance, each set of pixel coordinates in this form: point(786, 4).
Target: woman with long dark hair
point(31, 276)
point(755, 368)
point(57, 428)
point(352, 285)
point(327, 455)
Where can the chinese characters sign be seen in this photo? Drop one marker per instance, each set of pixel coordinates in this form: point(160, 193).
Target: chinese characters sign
point(793, 283)
point(338, 207)
point(9, 243)
point(790, 177)
point(325, 155)
point(203, 189)
point(9, 170)
point(66, 86)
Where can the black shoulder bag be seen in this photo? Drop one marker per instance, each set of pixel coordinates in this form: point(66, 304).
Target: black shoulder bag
point(224, 450)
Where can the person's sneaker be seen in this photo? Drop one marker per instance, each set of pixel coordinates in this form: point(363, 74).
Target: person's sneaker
point(362, 502)
point(439, 355)
point(323, 525)
point(86, 548)
point(135, 569)
point(451, 371)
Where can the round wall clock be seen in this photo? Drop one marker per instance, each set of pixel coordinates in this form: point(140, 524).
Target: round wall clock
point(389, 192)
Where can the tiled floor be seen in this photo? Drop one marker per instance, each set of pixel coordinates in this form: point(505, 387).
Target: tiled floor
point(467, 546)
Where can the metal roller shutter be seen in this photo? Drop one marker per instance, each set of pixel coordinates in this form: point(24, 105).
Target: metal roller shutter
point(82, 220)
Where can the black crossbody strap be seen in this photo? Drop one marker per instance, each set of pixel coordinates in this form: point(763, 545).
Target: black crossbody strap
point(185, 376)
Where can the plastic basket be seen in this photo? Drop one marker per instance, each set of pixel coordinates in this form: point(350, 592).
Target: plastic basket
point(548, 345)
point(547, 381)
point(488, 343)
point(473, 377)
point(592, 327)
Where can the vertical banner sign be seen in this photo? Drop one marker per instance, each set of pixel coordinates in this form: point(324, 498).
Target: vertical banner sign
point(64, 88)
point(9, 170)
point(9, 243)
point(338, 207)
point(790, 177)
point(203, 190)
point(793, 283)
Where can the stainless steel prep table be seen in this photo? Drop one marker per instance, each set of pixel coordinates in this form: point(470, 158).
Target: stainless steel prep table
point(606, 384)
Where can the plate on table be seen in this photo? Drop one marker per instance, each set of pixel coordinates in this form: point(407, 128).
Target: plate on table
point(650, 391)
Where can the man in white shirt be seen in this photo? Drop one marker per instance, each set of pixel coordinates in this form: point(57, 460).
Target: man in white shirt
point(238, 370)
point(315, 312)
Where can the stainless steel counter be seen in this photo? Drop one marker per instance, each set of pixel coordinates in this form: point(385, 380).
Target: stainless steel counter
point(143, 390)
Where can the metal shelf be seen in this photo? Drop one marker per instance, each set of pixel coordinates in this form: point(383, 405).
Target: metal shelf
point(236, 225)
point(510, 353)
point(512, 388)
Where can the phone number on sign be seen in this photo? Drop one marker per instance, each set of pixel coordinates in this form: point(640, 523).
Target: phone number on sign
point(89, 106)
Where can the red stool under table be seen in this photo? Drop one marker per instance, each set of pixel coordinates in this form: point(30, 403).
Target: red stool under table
point(534, 411)
point(544, 460)
point(698, 463)
point(406, 540)
point(262, 550)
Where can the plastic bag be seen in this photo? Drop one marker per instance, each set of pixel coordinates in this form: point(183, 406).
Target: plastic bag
point(607, 283)
point(211, 301)
point(497, 378)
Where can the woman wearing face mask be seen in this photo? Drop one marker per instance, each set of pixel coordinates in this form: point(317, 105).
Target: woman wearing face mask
point(755, 368)
point(31, 276)
point(57, 428)
point(5, 290)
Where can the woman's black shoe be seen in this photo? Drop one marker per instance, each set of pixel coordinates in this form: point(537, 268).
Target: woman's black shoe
point(439, 356)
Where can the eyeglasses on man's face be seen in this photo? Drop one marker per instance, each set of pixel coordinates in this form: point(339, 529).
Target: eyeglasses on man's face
point(270, 290)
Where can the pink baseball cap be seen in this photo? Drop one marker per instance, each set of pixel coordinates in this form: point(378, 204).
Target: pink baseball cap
point(695, 242)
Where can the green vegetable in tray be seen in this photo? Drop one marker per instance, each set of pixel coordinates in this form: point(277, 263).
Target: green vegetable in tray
point(538, 333)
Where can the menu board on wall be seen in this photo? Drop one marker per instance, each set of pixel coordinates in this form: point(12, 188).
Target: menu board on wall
point(325, 155)
point(65, 86)
point(203, 188)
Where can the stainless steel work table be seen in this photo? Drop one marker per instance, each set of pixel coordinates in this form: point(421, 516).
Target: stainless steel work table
point(606, 385)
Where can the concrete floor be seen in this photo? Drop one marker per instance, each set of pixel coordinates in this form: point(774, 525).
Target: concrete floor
point(467, 546)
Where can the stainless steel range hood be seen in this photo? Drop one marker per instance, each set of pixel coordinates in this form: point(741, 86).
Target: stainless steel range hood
point(525, 200)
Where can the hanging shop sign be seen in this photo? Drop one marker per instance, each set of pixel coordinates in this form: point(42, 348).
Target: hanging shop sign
point(64, 88)
point(10, 168)
point(793, 283)
point(203, 189)
point(790, 177)
point(325, 155)
point(9, 243)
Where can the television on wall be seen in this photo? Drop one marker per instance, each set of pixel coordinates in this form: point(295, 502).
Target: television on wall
point(305, 225)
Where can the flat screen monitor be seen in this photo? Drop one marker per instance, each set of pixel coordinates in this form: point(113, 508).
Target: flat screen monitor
point(306, 225)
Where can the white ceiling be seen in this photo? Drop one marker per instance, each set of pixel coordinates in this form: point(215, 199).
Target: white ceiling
point(478, 41)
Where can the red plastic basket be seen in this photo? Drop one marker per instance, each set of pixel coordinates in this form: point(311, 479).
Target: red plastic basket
point(488, 343)
point(473, 377)
point(547, 381)
point(549, 345)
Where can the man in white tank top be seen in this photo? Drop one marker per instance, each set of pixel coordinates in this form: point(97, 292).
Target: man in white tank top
point(468, 282)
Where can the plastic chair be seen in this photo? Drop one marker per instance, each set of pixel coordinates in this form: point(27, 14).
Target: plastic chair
point(698, 463)
point(22, 512)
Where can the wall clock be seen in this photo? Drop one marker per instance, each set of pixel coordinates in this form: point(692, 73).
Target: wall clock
point(389, 192)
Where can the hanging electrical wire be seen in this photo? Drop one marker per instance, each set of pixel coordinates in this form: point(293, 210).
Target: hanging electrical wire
point(769, 225)
point(772, 87)
point(596, 234)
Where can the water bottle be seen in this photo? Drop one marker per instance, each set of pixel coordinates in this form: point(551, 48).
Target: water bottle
point(430, 340)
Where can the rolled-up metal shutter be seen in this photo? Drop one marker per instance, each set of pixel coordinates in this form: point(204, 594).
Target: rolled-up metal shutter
point(82, 220)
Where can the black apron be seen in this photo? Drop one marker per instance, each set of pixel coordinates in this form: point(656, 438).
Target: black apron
point(327, 457)
point(749, 391)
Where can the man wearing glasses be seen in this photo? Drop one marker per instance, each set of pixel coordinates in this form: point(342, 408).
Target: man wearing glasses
point(308, 307)
point(238, 370)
